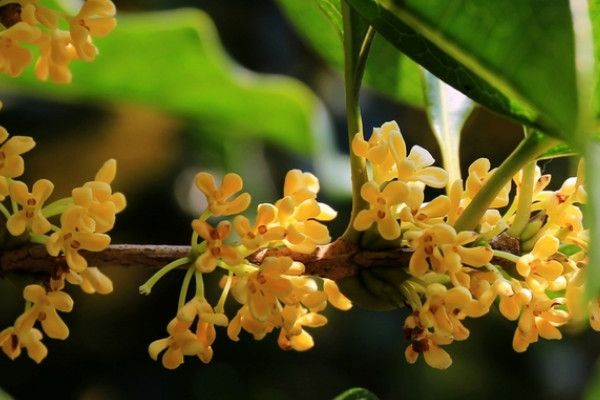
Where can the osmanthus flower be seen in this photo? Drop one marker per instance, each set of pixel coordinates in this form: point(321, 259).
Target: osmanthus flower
point(44, 309)
point(383, 208)
point(265, 229)
point(301, 222)
point(32, 202)
point(12, 340)
point(292, 335)
point(479, 174)
point(377, 151)
point(513, 297)
point(76, 234)
point(94, 19)
point(94, 281)
point(218, 198)
point(303, 186)
point(443, 248)
point(205, 328)
point(426, 343)
point(539, 318)
point(538, 267)
point(216, 249)
point(417, 165)
point(11, 162)
point(97, 199)
point(335, 296)
point(263, 289)
point(444, 308)
point(180, 342)
point(245, 320)
point(14, 58)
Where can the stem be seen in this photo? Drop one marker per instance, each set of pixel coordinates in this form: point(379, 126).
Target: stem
point(199, 284)
point(529, 148)
point(147, 287)
point(57, 207)
point(185, 285)
point(355, 58)
point(220, 307)
point(524, 201)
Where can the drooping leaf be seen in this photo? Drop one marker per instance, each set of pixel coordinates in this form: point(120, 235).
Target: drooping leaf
point(447, 111)
point(515, 57)
point(388, 71)
point(173, 60)
point(356, 394)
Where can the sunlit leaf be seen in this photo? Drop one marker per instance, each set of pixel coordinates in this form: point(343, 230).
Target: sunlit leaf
point(388, 71)
point(356, 394)
point(173, 60)
point(515, 57)
point(447, 110)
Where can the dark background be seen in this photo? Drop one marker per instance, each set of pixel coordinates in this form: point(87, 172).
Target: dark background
point(105, 356)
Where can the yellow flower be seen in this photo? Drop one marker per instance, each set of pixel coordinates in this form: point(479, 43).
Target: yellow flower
point(539, 318)
point(537, 267)
point(245, 320)
point(479, 174)
point(55, 54)
point(443, 308)
point(265, 228)
point(207, 319)
point(262, 289)
point(43, 309)
point(181, 341)
point(13, 57)
point(94, 281)
point(75, 234)
point(382, 210)
point(292, 335)
point(95, 18)
point(377, 151)
point(303, 231)
point(215, 248)
point(335, 296)
point(31, 203)
point(218, 202)
point(426, 343)
point(417, 165)
point(13, 340)
point(11, 162)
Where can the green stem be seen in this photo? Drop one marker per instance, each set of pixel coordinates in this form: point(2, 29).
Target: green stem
point(147, 287)
point(57, 207)
point(185, 285)
point(531, 147)
point(523, 213)
point(356, 51)
point(199, 284)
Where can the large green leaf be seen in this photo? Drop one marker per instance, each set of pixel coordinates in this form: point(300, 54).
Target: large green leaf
point(388, 71)
point(173, 60)
point(513, 56)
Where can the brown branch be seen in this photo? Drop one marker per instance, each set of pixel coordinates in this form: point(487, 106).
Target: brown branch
point(335, 260)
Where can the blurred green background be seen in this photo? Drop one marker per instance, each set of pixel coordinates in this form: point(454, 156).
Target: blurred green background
point(167, 107)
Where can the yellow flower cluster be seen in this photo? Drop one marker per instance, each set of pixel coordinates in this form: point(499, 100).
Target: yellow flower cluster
point(85, 217)
point(535, 276)
point(273, 293)
point(26, 24)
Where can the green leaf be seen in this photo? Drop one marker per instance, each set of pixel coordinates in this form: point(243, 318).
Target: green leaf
point(515, 57)
point(173, 60)
point(356, 394)
point(388, 71)
point(447, 111)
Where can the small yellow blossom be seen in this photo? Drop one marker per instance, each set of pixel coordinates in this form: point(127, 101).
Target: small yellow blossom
point(417, 165)
point(292, 335)
point(303, 231)
point(443, 310)
point(56, 53)
point(383, 204)
point(479, 174)
point(335, 296)
point(11, 162)
point(215, 248)
point(31, 203)
point(94, 281)
point(75, 234)
point(95, 19)
point(539, 318)
point(537, 267)
point(181, 342)
point(377, 151)
point(426, 343)
point(218, 202)
point(13, 57)
point(265, 228)
point(13, 340)
point(43, 309)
